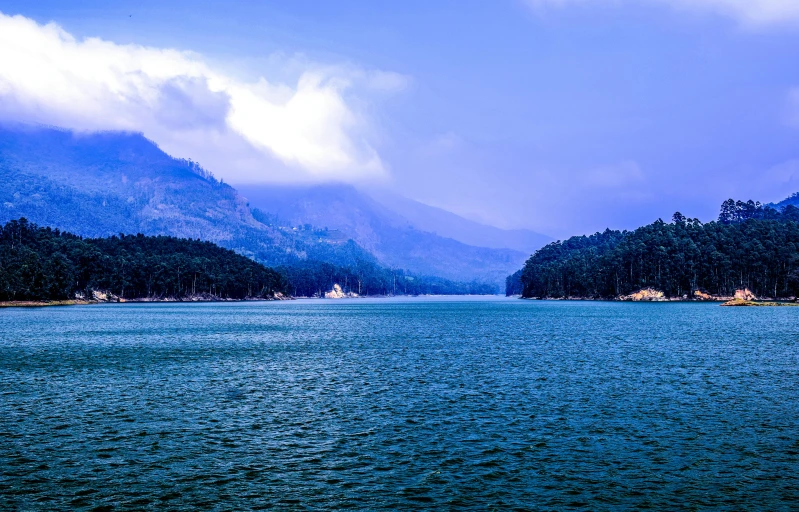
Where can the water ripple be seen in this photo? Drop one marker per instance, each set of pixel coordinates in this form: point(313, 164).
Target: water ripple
point(415, 404)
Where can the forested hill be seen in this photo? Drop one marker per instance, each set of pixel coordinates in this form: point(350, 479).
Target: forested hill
point(314, 278)
point(45, 264)
point(750, 246)
point(393, 239)
point(102, 184)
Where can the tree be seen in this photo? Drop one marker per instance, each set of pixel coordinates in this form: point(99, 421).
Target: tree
point(751, 246)
point(728, 212)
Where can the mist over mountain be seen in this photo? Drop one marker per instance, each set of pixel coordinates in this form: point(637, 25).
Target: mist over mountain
point(103, 184)
point(793, 199)
point(393, 238)
point(447, 224)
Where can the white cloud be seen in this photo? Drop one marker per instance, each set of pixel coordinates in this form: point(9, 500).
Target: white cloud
point(746, 12)
point(236, 128)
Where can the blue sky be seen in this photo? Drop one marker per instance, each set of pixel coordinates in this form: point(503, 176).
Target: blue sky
point(561, 116)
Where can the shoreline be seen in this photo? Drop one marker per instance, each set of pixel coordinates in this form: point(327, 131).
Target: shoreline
point(755, 303)
point(591, 299)
point(119, 300)
point(722, 301)
point(83, 302)
point(44, 303)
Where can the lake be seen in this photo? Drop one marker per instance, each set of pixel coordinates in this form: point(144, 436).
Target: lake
point(459, 403)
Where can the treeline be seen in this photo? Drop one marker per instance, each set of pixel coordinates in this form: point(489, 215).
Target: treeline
point(313, 278)
point(513, 284)
point(45, 264)
point(750, 246)
point(39, 263)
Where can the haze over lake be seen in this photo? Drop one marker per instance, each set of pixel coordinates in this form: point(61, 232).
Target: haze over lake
point(399, 403)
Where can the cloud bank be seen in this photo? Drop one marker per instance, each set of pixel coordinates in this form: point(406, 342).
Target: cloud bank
point(746, 12)
point(243, 131)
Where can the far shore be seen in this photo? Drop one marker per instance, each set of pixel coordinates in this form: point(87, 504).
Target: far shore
point(742, 297)
point(615, 299)
point(767, 303)
point(43, 303)
point(81, 302)
point(723, 301)
point(188, 300)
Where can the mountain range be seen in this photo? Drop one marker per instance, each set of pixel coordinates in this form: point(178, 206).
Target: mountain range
point(444, 223)
point(100, 184)
point(793, 199)
point(395, 238)
point(103, 184)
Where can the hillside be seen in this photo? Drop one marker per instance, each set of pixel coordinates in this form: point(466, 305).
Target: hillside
point(446, 224)
point(750, 246)
point(391, 237)
point(44, 264)
point(103, 184)
point(793, 200)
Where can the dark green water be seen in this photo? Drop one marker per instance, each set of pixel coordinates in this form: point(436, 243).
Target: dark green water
point(399, 404)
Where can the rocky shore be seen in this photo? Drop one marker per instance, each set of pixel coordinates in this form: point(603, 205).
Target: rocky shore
point(104, 296)
point(740, 302)
point(338, 293)
point(101, 297)
point(742, 297)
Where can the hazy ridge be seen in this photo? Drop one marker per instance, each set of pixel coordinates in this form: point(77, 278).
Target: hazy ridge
point(102, 184)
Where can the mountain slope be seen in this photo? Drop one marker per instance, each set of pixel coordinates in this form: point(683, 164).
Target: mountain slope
point(43, 264)
point(793, 199)
point(102, 184)
point(108, 183)
point(447, 224)
point(753, 248)
point(391, 237)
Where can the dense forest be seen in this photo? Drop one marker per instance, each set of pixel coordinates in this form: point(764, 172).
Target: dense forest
point(45, 264)
point(513, 283)
point(313, 278)
point(102, 184)
point(750, 246)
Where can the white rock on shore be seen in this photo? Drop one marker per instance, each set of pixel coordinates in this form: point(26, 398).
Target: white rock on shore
point(645, 294)
point(338, 293)
point(744, 294)
point(700, 295)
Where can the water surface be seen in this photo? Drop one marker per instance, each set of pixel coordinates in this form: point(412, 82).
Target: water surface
point(406, 403)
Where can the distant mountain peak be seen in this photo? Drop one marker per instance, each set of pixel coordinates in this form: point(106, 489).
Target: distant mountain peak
point(105, 183)
point(792, 199)
point(400, 232)
point(450, 225)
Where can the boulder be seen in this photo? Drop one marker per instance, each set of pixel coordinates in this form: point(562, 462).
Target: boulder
point(335, 293)
point(700, 295)
point(744, 294)
point(645, 295)
point(338, 293)
point(104, 296)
